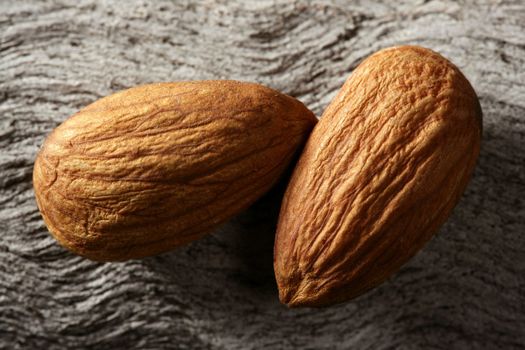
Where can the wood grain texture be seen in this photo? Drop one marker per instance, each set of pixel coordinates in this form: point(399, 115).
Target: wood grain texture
point(381, 172)
point(154, 167)
point(465, 290)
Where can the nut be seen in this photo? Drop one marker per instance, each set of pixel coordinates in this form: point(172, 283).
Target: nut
point(154, 167)
point(379, 175)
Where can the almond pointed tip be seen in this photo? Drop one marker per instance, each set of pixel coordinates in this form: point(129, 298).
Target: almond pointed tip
point(298, 301)
point(297, 293)
point(286, 295)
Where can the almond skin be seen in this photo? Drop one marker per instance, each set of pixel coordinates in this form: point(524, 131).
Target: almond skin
point(379, 175)
point(154, 167)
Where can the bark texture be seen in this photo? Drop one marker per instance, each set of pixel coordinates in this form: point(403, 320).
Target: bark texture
point(466, 289)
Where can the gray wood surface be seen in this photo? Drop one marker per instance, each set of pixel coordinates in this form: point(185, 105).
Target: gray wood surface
point(465, 290)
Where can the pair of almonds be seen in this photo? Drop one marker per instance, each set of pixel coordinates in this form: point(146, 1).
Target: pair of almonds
point(151, 168)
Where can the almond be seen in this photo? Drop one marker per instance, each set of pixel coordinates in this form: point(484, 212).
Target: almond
point(379, 175)
point(154, 167)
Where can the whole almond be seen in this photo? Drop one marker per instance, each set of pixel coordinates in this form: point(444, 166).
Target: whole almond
point(379, 175)
point(154, 167)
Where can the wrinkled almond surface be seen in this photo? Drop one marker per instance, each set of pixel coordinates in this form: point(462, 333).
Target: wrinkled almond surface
point(379, 175)
point(154, 167)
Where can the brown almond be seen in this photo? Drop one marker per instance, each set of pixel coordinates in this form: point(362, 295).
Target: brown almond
point(379, 175)
point(154, 167)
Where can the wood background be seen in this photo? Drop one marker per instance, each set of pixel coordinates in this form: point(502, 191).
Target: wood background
point(465, 290)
